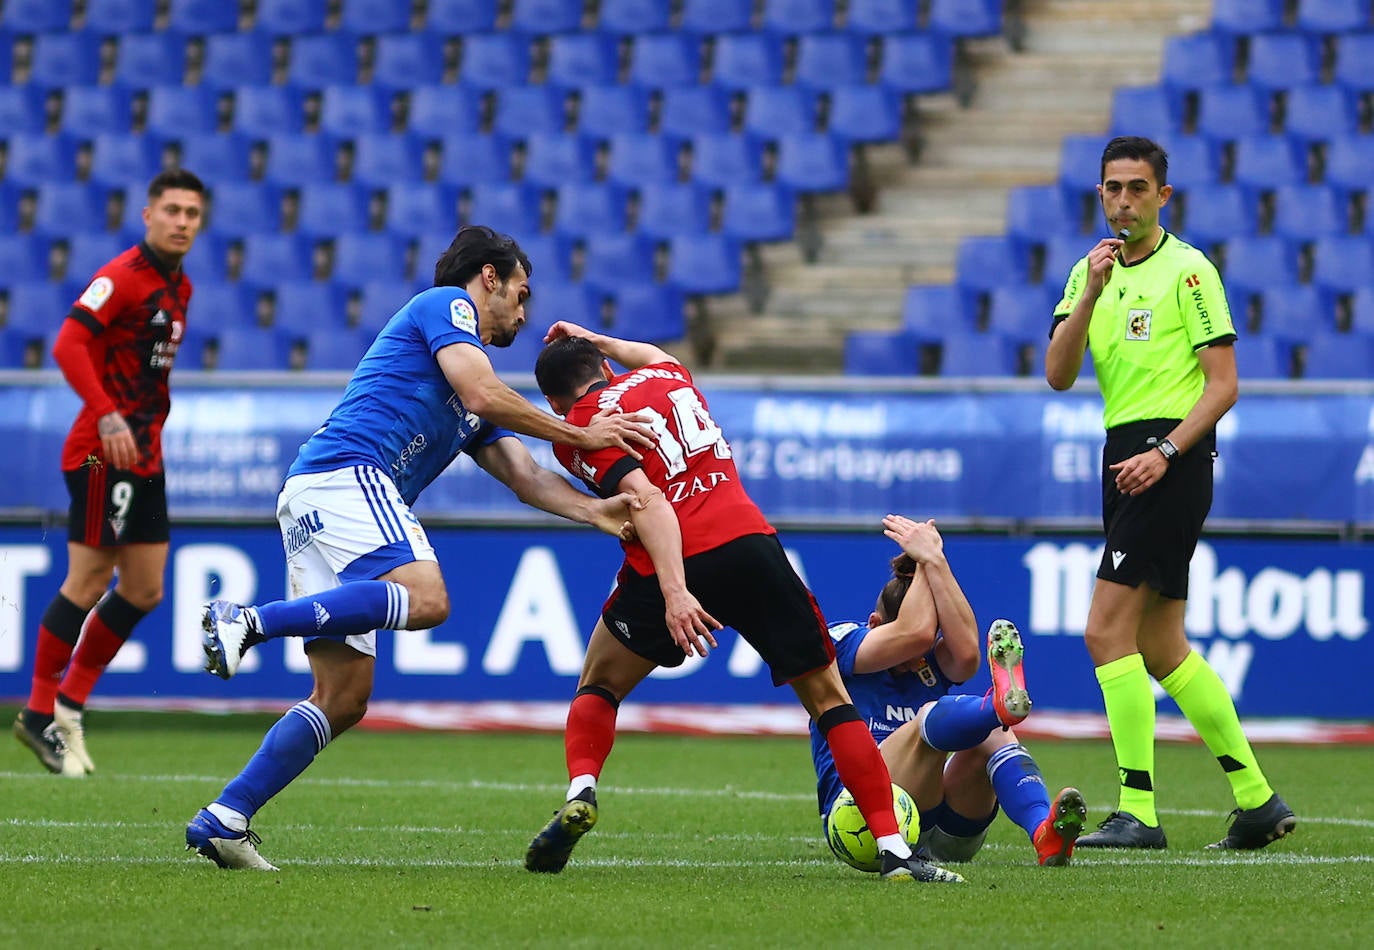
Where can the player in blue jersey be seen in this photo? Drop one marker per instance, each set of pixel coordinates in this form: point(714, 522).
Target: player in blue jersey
point(357, 558)
point(955, 754)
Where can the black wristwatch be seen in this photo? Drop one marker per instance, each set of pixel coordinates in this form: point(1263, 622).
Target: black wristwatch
point(1167, 449)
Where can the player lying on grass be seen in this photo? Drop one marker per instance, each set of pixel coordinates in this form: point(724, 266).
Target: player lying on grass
point(955, 754)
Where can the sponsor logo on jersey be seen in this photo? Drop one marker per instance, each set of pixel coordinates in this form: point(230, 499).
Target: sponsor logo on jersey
point(97, 293)
point(1138, 324)
point(462, 315)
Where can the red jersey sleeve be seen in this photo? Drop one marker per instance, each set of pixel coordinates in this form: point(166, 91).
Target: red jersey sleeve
point(108, 294)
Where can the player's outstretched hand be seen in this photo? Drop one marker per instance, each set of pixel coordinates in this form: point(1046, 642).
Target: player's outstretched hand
point(689, 623)
point(613, 515)
point(566, 328)
point(117, 441)
point(627, 431)
point(919, 539)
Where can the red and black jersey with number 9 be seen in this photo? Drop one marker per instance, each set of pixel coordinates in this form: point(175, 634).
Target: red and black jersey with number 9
point(691, 463)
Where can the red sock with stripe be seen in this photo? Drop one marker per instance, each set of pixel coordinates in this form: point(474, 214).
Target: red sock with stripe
point(57, 635)
point(590, 732)
point(106, 629)
point(861, 767)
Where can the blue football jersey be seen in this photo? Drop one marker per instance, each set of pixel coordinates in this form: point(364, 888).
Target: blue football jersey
point(885, 700)
point(399, 412)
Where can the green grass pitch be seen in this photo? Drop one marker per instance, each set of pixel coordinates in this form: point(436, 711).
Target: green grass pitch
point(416, 839)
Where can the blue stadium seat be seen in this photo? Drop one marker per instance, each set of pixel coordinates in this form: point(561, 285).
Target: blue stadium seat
point(1281, 60)
point(508, 206)
point(374, 17)
point(135, 198)
point(566, 300)
point(237, 59)
point(37, 16)
point(380, 299)
point(715, 16)
point(347, 111)
point(1219, 213)
point(966, 17)
point(1354, 67)
point(1350, 162)
point(1035, 212)
point(35, 158)
point(494, 60)
point(969, 355)
point(1342, 263)
point(14, 349)
point(414, 208)
point(381, 159)
point(242, 208)
point(790, 17)
point(1339, 356)
point(611, 258)
point(1263, 357)
point(290, 17)
point(686, 111)
point(604, 111)
point(743, 60)
point(329, 59)
point(546, 16)
point(704, 264)
point(202, 17)
point(812, 162)
point(328, 208)
point(299, 159)
point(881, 353)
point(758, 212)
point(453, 17)
point(665, 61)
point(216, 156)
point(306, 305)
point(636, 160)
point(89, 110)
point(722, 159)
point(1247, 16)
point(1061, 254)
point(250, 348)
point(10, 197)
point(935, 309)
point(1254, 263)
point(271, 258)
point(372, 255)
point(176, 110)
point(439, 111)
point(261, 111)
point(124, 159)
point(986, 263)
point(669, 209)
point(1362, 311)
point(147, 60)
point(1332, 16)
point(1198, 60)
point(522, 111)
point(21, 109)
point(626, 17)
point(1307, 212)
point(1194, 161)
point(647, 312)
point(1269, 161)
point(553, 159)
point(1232, 112)
point(1296, 312)
point(917, 63)
point(551, 257)
point(881, 17)
point(1080, 162)
point(402, 61)
point(23, 257)
point(37, 307)
point(89, 251)
point(1022, 313)
point(589, 207)
point(338, 349)
point(771, 112)
point(1320, 112)
point(65, 59)
point(1152, 111)
point(470, 158)
point(864, 114)
point(582, 59)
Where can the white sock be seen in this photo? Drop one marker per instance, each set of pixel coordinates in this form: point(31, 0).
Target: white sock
point(896, 844)
point(578, 784)
point(233, 820)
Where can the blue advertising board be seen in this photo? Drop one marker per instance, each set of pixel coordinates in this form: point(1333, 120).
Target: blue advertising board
point(1284, 622)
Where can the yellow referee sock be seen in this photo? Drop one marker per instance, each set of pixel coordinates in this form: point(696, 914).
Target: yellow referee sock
point(1203, 698)
point(1130, 704)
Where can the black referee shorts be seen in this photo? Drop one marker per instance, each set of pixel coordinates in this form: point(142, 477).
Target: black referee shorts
point(1151, 537)
point(748, 584)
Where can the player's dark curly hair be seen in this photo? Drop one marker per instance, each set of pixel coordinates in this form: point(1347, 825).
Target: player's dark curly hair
point(567, 365)
point(174, 178)
point(890, 598)
point(474, 246)
point(1137, 148)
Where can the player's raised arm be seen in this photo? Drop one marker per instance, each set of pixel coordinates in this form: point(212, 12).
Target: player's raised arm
point(509, 462)
point(628, 353)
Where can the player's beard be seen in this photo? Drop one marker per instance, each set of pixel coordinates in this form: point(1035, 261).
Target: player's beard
point(504, 338)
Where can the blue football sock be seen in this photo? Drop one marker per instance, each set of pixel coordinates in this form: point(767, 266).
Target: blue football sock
point(959, 722)
point(352, 608)
point(1019, 786)
point(289, 746)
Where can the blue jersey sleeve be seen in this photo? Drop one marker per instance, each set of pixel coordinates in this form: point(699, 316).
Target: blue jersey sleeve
point(485, 436)
point(445, 315)
point(848, 638)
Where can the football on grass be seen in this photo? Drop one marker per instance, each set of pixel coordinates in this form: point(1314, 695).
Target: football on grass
point(848, 836)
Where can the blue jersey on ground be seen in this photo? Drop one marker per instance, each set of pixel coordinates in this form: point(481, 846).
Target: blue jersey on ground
point(885, 700)
point(399, 413)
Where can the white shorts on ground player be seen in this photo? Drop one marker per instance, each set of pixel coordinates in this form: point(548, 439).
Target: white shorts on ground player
point(350, 524)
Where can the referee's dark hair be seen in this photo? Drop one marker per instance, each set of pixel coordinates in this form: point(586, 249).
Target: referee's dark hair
point(1138, 148)
point(567, 365)
point(174, 178)
point(474, 246)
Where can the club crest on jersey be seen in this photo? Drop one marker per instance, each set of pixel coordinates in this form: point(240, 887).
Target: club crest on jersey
point(1138, 324)
point(462, 315)
point(925, 673)
point(97, 293)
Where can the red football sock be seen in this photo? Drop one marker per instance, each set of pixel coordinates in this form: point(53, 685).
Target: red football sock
point(106, 629)
point(590, 732)
point(57, 636)
point(864, 773)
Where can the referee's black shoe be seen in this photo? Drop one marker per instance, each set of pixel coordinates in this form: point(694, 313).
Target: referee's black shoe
point(1124, 830)
point(1254, 828)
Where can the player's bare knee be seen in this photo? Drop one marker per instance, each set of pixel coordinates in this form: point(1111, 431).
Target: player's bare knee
point(144, 597)
point(428, 606)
